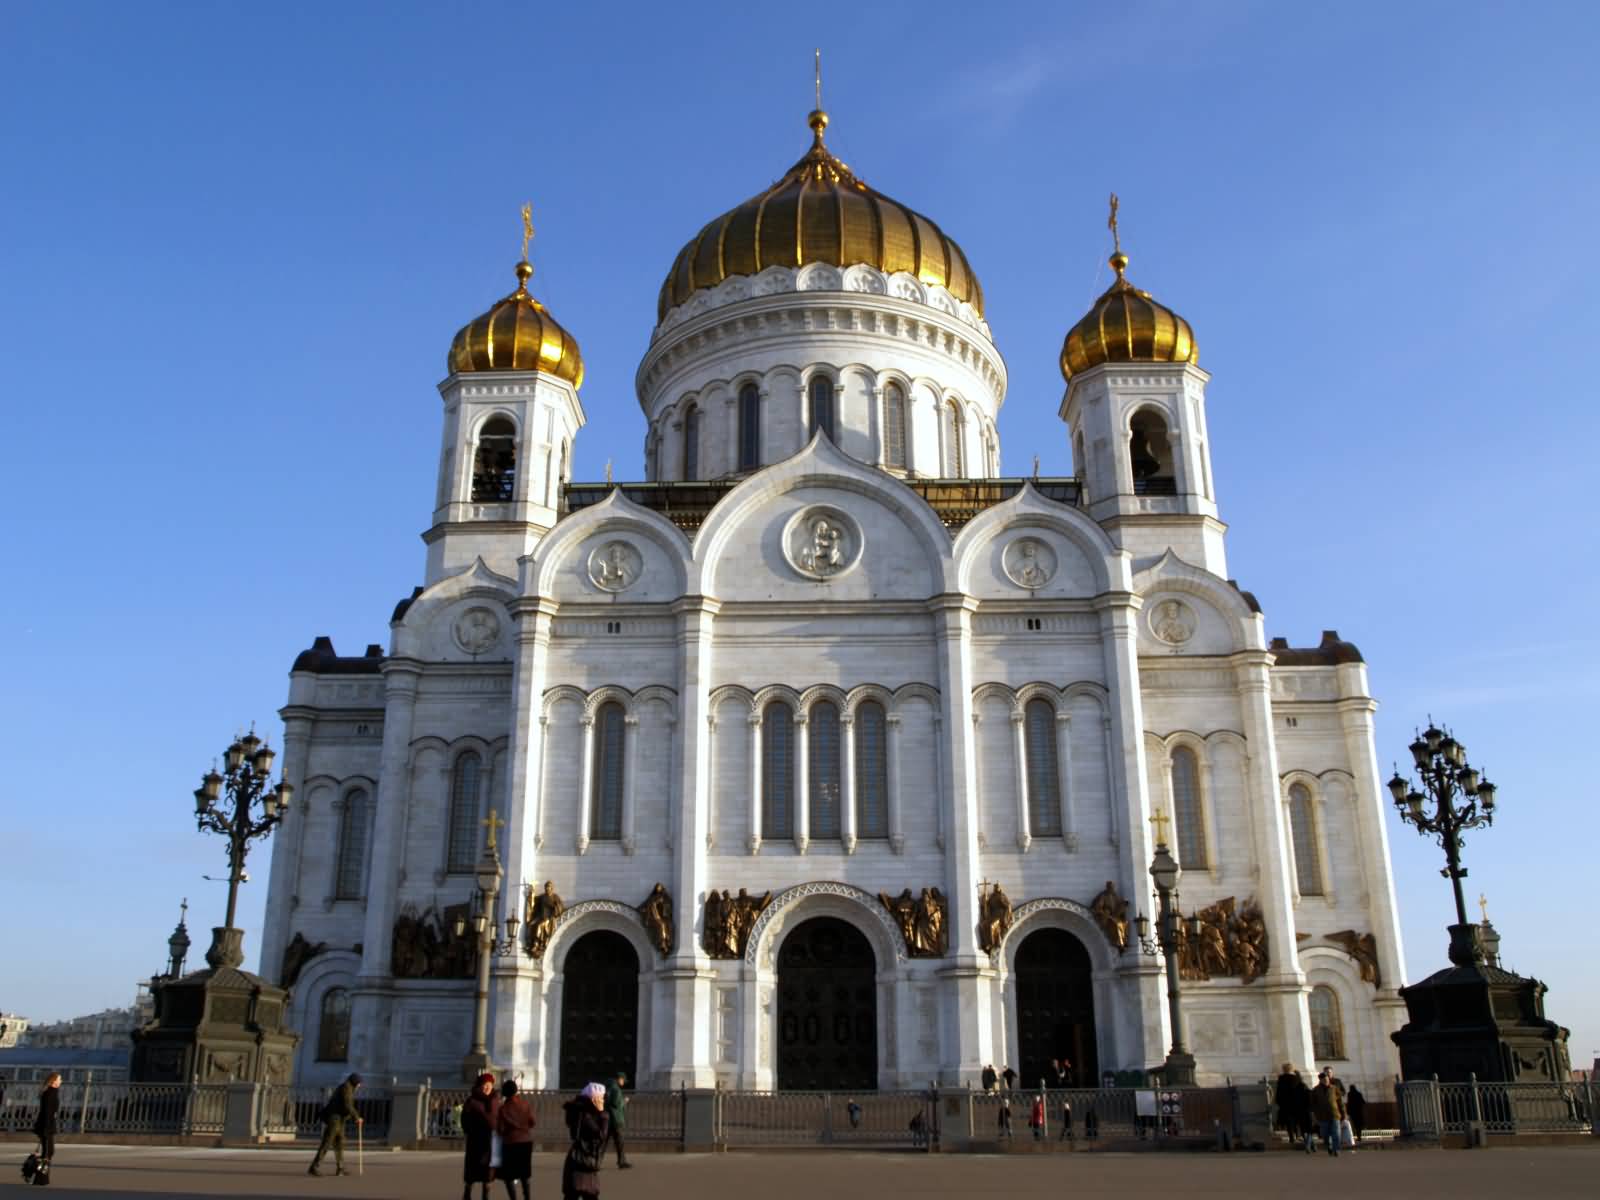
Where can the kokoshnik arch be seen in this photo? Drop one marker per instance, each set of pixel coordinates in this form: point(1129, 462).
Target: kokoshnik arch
point(827, 678)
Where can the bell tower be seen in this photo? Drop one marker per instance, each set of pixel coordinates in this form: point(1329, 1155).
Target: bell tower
point(1135, 411)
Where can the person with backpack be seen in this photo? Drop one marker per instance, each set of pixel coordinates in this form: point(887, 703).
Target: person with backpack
point(587, 1124)
point(341, 1107)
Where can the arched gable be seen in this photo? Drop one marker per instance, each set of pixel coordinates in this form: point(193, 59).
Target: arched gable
point(1107, 565)
point(416, 634)
point(615, 514)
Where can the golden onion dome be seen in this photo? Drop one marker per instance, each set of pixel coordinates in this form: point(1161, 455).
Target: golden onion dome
point(1127, 325)
point(517, 334)
point(819, 212)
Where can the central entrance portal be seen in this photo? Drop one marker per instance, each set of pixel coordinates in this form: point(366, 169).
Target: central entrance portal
point(827, 1009)
point(599, 1009)
point(1055, 1008)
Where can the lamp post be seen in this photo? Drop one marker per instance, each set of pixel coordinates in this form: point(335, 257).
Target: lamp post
point(1178, 1071)
point(487, 943)
point(1461, 799)
point(247, 766)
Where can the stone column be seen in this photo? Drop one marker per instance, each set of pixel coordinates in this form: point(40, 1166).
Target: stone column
point(802, 782)
point(1113, 826)
point(847, 784)
point(1289, 1022)
point(285, 883)
point(1019, 743)
point(897, 836)
point(1069, 823)
point(685, 979)
point(970, 987)
point(586, 782)
point(754, 721)
point(630, 776)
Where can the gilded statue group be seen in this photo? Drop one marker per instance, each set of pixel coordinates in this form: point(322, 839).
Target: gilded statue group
point(1231, 942)
point(729, 920)
point(545, 907)
point(424, 945)
point(994, 916)
point(922, 921)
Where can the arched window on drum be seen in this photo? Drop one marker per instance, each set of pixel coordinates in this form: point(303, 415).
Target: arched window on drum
point(822, 406)
point(894, 426)
point(691, 443)
point(749, 427)
point(952, 440)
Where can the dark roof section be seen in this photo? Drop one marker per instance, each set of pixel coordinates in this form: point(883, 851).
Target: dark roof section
point(404, 606)
point(1249, 597)
point(688, 504)
point(322, 659)
point(1333, 651)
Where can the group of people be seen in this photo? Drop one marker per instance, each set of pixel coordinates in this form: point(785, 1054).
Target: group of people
point(1326, 1109)
point(498, 1131)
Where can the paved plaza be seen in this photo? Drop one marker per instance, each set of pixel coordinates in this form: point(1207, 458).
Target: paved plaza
point(91, 1172)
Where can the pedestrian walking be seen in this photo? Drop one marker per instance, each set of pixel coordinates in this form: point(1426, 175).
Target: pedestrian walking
point(1356, 1104)
point(1066, 1119)
point(47, 1123)
point(339, 1108)
point(480, 1117)
point(852, 1110)
point(1005, 1115)
point(1347, 1135)
point(1036, 1117)
point(1010, 1078)
point(1327, 1106)
point(989, 1079)
point(515, 1127)
point(617, 1116)
point(586, 1122)
point(1293, 1100)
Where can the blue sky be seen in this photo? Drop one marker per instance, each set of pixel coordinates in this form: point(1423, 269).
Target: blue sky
point(239, 239)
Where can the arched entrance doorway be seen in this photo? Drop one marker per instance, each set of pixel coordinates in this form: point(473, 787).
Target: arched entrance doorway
point(1055, 1008)
point(827, 1008)
point(599, 1009)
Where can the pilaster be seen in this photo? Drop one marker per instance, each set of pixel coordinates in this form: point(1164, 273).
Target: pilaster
point(283, 886)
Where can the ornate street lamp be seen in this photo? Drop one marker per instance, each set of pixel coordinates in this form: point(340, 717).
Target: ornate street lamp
point(1178, 1070)
point(1460, 799)
point(238, 805)
point(487, 942)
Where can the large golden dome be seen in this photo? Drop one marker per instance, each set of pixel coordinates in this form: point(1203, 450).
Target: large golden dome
point(517, 334)
point(819, 212)
point(1127, 325)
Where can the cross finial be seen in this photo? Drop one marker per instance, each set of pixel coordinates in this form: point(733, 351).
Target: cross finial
point(984, 886)
point(819, 77)
point(493, 823)
point(1159, 820)
point(183, 911)
point(1483, 907)
point(527, 228)
point(1111, 223)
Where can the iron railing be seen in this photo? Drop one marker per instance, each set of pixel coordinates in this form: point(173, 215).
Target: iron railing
point(172, 1109)
point(297, 1110)
point(1430, 1109)
point(824, 1118)
point(653, 1116)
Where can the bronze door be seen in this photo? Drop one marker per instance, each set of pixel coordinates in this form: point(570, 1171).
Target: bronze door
point(599, 1009)
point(827, 1009)
point(1055, 1009)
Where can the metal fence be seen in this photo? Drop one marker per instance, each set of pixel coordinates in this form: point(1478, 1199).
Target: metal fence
point(296, 1110)
point(1096, 1113)
point(823, 1118)
point(652, 1116)
point(1430, 1109)
point(173, 1109)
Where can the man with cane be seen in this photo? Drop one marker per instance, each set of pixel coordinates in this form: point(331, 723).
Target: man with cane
point(341, 1107)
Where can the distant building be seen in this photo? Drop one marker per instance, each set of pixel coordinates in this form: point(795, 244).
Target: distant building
point(12, 1027)
point(107, 1029)
point(24, 1065)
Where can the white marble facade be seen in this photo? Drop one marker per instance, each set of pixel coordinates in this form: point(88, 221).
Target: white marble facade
point(821, 576)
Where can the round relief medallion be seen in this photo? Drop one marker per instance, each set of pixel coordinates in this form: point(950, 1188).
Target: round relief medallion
point(821, 542)
point(1029, 562)
point(477, 630)
point(1172, 622)
point(615, 566)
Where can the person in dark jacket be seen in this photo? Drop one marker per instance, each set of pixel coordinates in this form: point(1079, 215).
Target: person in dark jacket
point(515, 1127)
point(341, 1107)
point(1288, 1093)
point(586, 1122)
point(617, 1116)
point(46, 1123)
point(479, 1116)
point(1356, 1105)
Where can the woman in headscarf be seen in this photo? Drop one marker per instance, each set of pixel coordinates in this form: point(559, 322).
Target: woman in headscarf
point(478, 1117)
point(515, 1126)
point(586, 1122)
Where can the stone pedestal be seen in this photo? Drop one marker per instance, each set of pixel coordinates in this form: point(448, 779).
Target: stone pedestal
point(1473, 1019)
point(219, 1025)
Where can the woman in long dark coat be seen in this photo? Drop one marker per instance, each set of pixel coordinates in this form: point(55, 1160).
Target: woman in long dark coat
point(478, 1117)
point(586, 1122)
point(44, 1126)
point(515, 1126)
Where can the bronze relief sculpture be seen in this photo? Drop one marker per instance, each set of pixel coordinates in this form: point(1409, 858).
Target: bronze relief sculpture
point(1232, 941)
point(544, 910)
point(728, 920)
point(1363, 947)
point(295, 956)
point(656, 913)
point(424, 945)
point(922, 921)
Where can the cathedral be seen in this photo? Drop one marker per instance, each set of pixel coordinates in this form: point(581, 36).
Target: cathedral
point(826, 756)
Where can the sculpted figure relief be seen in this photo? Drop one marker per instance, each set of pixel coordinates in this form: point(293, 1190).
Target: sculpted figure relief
point(728, 920)
point(424, 945)
point(1232, 941)
point(994, 919)
point(544, 910)
point(295, 956)
point(656, 912)
point(1172, 623)
point(921, 920)
point(1111, 914)
point(825, 555)
point(1363, 947)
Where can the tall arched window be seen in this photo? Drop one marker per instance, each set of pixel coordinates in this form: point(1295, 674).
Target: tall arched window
point(610, 728)
point(650, 465)
point(872, 771)
point(1327, 1026)
point(466, 797)
point(333, 1027)
point(894, 426)
point(1044, 784)
point(822, 406)
point(1303, 834)
point(952, 440)
point(824, 775)
point(494, 466)
point(1188, 814)
point(777, 771)
point(749, 427)
point(691, 442)
point(352, 846)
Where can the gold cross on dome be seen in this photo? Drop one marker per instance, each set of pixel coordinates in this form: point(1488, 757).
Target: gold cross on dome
point(493, 823)
point(1159, 820)
point(527, 228)
point(1483, 907)
point(1111, 223)
point(819, 79)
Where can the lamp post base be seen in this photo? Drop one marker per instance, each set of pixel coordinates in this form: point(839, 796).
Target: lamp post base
point(474, 1065)
point(1178, 1070)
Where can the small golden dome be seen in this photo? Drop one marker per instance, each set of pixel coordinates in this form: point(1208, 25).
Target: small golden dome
point(819, 212)
point(1127, 325)
point(517, 334)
